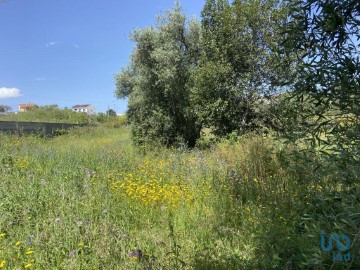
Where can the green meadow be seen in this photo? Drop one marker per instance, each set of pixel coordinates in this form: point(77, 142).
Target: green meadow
point(91, 200)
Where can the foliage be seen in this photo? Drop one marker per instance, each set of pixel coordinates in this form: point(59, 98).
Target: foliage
point(105, 117)
point(237, 68)
point(110, 112)
point(157, 81)
point(4, 108)
point(49, 113)
point(248, 205)
point(324, 35)
point(101, 117)
point(324, 108)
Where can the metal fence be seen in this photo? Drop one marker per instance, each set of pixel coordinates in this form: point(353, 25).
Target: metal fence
point(40, 128)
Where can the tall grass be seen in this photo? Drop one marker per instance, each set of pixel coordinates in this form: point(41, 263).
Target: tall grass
point(86, 199)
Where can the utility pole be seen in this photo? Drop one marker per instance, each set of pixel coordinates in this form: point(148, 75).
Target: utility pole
point(114, 107)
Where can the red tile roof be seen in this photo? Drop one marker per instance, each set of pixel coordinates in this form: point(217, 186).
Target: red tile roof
point(24, 106)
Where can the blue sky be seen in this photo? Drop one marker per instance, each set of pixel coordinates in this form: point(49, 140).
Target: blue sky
point(67, 52)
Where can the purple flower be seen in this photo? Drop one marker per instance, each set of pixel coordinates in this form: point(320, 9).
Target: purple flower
point(136, 253)
point(72, 253)
point(29, 241)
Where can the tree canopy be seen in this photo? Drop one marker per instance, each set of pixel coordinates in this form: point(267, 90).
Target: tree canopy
point(4, 108)
point(237, 70)
point(157, 80)
point(229, 72)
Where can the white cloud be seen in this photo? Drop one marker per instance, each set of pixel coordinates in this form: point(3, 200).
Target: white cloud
point(51, 43)
point(9, 92)
point(39, 79)
point(76, 46)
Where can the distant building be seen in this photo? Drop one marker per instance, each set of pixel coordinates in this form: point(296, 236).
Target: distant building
point(26, 107)
point(86, 108)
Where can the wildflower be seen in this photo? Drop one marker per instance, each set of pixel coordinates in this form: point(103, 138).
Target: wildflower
point(136, 254)
point(28, 265)
point(29, 252)
point(2, 234)
point(2, 263)
point(81, 244)
point(29, 241)
point(79, 223)
point(18, 243)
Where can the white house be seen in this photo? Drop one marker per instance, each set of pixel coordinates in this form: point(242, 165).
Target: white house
point(86, 108)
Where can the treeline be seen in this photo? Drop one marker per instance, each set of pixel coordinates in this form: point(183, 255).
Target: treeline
point(254, 65)
point(219, 73)
point(54, 114)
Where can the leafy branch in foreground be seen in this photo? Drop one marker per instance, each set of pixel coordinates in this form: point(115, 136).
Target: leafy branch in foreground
point(324, 35)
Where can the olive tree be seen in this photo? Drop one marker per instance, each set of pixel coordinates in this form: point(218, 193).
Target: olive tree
point(157, 83)
point(324, 36)
point(238, 72)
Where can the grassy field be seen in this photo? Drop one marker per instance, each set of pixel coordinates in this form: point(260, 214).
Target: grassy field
point(91, 200)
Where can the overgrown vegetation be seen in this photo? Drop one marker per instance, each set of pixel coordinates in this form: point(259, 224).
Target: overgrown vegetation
point(238, 73)
point(89, 199)
point(274, 174)
point(325, 36)
point(48, 114)
point(284, 68)
point(185, 76)
point(53, 114)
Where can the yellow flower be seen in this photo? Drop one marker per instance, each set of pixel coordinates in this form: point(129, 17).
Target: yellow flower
point(18, 243)
point(2, 234)
point(81, 244)
point(28, 265)
point(2, 263)
point(29, 252)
